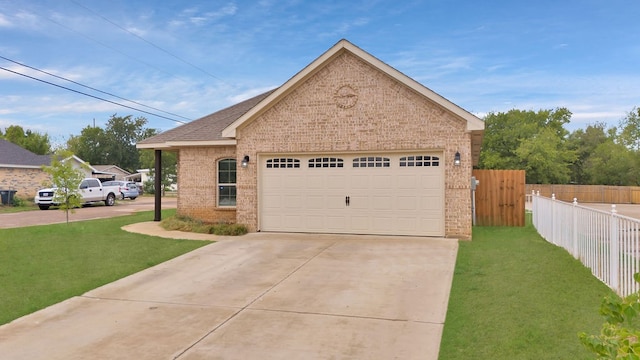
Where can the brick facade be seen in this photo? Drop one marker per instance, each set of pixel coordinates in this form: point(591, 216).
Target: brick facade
point(347, 105)
point(26, 181)
point(197, 193)
point(387, 116)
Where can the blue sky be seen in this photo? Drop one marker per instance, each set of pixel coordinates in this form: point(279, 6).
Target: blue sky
point(192, 58)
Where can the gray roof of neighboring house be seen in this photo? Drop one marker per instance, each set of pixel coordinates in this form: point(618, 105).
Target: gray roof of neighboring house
point(208, 128)
point(110, 168)
point(12, 154)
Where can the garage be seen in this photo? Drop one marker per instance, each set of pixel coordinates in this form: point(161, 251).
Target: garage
point(348, 145)
point(400, 193)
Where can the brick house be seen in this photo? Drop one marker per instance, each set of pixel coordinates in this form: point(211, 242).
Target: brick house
point(21, 170)
point(347, 145)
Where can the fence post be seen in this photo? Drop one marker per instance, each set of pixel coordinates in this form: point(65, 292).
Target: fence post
point(575, 229)
point(614, 250)
point(534, 203)
point(553, 218)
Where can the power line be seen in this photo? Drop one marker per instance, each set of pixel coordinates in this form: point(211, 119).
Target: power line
point(92, 96)
point(114, 49)
point(92, 88)
point(147, 41)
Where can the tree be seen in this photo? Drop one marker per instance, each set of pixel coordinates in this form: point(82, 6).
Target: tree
point(612, 163)
point(116, 144)
point(584, 143)
point(547, 160)
point(66, 179)
point(90, 145)
point(630, 130)
point(121, 134)
point(168, 167)
point(33, 141)
point(511, 142)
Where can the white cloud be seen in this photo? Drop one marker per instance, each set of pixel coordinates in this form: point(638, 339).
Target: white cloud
point(248, 94)
point(4, 21)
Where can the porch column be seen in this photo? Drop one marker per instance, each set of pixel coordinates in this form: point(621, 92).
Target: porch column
point(158, 186)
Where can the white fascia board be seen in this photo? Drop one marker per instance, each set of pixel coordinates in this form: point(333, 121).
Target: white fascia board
point(177, 144)
point(14, 166)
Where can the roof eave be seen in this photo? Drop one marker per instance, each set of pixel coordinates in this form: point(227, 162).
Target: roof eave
point(15, 166)
point(181, 144)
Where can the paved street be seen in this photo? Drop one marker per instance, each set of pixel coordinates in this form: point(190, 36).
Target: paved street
point(97, 211)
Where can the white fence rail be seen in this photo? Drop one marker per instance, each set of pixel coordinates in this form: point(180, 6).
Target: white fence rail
point(605, 242)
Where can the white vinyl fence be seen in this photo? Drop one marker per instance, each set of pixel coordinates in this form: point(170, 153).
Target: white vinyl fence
point(605, 242)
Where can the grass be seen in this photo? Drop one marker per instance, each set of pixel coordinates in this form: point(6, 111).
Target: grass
point(43, 265)
point(515, 296)
point(19, 204)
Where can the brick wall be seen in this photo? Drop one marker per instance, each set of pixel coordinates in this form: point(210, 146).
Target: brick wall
point(25, 181)
point(320, 115)
point(197, 193)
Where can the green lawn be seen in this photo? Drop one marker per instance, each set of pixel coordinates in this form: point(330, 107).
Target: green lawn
point(43, 265)
point(515, 296)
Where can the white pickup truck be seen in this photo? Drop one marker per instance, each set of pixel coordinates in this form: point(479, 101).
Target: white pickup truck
point(91, 190)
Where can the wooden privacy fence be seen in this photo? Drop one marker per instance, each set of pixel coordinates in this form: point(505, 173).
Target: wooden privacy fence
point(589, 193)
point(500, 197)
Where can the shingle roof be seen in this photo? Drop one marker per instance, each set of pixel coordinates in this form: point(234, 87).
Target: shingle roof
point(208, 128)
point(12, 154)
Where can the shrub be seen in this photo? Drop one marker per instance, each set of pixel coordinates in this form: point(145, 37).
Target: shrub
point(619, 337)
point(185, 223)
point(17, 201)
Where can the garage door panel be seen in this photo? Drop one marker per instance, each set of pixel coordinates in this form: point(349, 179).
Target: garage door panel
point(407, 203)
point(314, 202)
point(385, 197)
point(382, 202)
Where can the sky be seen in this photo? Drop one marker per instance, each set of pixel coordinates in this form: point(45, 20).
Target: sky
point(176, 61)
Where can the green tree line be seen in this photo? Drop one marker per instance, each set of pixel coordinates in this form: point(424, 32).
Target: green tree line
point(115, 144)
point(535, 141)
point(539, 143)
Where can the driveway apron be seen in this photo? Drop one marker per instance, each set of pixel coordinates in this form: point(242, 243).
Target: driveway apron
point(259, 296)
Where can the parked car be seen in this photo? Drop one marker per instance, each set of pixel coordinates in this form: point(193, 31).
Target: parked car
point(91, 191)
point(127, 189)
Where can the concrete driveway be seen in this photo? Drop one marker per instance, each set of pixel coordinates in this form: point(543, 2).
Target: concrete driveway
point(259, 296)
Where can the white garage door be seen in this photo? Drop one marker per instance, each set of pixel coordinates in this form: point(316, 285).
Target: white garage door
point(395, 194)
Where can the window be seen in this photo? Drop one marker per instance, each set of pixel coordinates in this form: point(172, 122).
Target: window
point(326, 162)
point(282, 163)
point(227, 182)
point(419, 160)
point(371, 161)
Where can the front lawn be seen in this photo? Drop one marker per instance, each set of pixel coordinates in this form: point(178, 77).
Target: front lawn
point(515, 296)
point(43, 265)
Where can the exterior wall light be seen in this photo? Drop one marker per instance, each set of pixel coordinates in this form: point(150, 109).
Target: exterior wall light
point(456, 159)
point(245, 161)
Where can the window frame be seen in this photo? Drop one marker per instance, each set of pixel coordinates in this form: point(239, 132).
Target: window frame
point(220, 185)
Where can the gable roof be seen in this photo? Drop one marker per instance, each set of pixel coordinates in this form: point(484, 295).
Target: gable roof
point(204, 131)
point(220, 127)
point(109, 169)
point(473, 122)
point(12, 155)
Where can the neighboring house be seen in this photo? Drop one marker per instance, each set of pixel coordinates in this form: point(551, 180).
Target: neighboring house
point(21, 170)
point(142, 176)
point(111, 172)
point(347, 145)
